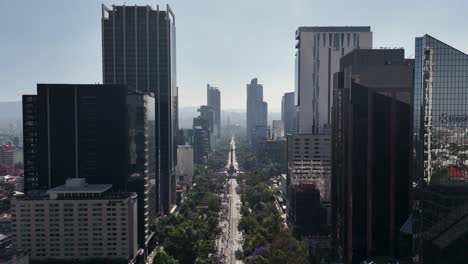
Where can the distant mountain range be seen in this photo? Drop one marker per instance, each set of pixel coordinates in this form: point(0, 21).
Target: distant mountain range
point(11, 113)
point(11, 116)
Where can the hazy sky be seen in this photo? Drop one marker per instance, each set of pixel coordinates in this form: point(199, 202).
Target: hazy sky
point(222, 42)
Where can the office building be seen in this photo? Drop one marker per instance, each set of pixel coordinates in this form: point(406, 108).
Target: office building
point(309, 162)
point(95, 132)
point(7, 155)
point(371, 153)
point(318, 53)
point(184, 137)
point(288, 113)
point(207, 113)
point(274, 150)
point(201, 139)
point(138, 50)
point(261, 133)
point(306, 213)
point(76, 221)
point(440, 141)
point(185, 166)
point(257, 113)
point(277, 131)
point(214, 101)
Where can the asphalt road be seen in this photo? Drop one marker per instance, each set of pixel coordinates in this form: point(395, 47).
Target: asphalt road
point(230, 239)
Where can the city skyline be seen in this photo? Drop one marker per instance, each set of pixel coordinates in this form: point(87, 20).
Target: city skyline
point(72, 47)
point(363, 157)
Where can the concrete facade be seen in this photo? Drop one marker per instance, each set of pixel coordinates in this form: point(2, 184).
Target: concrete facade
point(318, 54)
point(309, 162)
point(76, 221)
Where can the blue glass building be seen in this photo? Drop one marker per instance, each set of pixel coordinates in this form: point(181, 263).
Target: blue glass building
point(440, 153)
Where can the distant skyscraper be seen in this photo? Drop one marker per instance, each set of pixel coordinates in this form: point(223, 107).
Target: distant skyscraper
point(95, 132)
point(440, 132)
point(277, 129)
point(257, 113)
point(371, 153)
point(201, 139)
point(138, 50)
point(208, 113)
point(288, 113)
point(185, 164)
point(214, 100)
point(184, 137)
point(309, 162)
point(318, 54)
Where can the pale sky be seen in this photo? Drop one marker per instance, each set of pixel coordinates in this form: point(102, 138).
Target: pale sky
point(224, 43)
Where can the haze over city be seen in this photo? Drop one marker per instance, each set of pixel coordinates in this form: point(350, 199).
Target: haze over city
point(224, 43)
point(233, 132)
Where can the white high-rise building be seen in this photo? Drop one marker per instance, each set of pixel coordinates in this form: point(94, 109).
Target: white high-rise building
point(318, 54)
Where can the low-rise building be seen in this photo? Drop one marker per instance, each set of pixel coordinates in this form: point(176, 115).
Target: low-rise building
point(76, 221)
point(10, 155)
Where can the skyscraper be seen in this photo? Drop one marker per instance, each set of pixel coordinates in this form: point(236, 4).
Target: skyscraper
point(214, 100)
point(95, 132)
point(371, 152)
point(207, 113)
point(288, 113)
point(318, 53)
point(440, 125)
point(138, 50)
point(277, 130)
point(257, 113)
point(201, 139)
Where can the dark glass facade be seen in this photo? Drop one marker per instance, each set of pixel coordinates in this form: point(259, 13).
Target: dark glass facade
point(201, 139)
point(440, 147)
point(185, 137)
point(30, 137)
point(370, 153)
point(139, 50)
point(96, 132)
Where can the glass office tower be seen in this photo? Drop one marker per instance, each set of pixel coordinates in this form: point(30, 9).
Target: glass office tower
point(91, 131)
point(440, 152)
point(139, 50)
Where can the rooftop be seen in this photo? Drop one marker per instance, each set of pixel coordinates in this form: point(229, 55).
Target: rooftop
point(105, 196)
point(79, 185)
point(335, 29)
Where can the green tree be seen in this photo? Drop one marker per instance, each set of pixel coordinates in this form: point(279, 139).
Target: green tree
point(163, 258)
point(286, 249)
